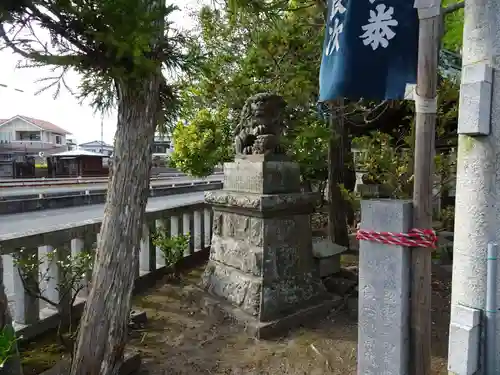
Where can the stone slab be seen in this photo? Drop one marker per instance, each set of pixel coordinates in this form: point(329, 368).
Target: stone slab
point(297, 202)
point(255, 297)
point(325, 248)
point(328, 266)
point(278, 327)
point(477, 72)
point(262, 177)
point(240, 241)
point(464, 343)
point(237, 288)
point(384, 286)
point(262, 157)
point(240, 254)
point(475, 108)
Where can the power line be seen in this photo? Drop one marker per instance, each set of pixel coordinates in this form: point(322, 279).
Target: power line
point(13, 88)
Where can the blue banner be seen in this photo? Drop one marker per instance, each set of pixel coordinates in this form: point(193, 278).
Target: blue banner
point(370, 49)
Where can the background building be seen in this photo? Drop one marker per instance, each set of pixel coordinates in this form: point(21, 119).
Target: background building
point(99, 147)
point(26, 141)
point(162, 144)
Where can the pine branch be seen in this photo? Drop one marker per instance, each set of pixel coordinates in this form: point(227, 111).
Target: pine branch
point(452, 8)
point(42, 57)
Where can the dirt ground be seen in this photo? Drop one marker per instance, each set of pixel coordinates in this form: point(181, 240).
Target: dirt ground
point(180, 338)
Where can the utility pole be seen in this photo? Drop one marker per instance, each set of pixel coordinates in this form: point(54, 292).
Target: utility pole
point(425, 107)
point(477, 209)
point(102, 131)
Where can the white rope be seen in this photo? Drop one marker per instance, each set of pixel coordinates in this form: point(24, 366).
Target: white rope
point(425, 105)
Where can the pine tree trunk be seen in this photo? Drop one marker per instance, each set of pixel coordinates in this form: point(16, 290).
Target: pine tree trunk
point(349, 175)
point(13, 365)
point(103, 328)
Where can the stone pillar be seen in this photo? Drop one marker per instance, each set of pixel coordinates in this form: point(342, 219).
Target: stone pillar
point(261, 267)
point(384, 291)
point(477, 208)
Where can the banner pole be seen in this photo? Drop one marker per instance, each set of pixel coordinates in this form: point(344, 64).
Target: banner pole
point(425, 123)
point(335, 174)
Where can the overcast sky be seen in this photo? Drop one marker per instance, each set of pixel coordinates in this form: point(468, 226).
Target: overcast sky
point(65, 110)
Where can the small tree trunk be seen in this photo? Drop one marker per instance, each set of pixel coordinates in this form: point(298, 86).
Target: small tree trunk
point(63, 329)
point(349, 174)
point(103, 328)
point(337, 218)
point(13, 365)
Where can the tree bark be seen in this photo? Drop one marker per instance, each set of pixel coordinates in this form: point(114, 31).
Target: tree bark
point(337, 218)
point(103, 328)
point(349, 176)
point(13, 365)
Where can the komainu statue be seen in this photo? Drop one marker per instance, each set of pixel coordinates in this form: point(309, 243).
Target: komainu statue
point(261, 125)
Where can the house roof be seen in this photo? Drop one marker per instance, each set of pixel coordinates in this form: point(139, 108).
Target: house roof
point(42, 124)
point(78, 152)
point(100, 143)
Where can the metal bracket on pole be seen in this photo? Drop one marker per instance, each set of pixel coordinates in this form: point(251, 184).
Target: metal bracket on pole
point(476, 92)
point(425, 105)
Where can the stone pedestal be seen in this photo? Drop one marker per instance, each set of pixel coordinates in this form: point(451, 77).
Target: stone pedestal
point(261, 267)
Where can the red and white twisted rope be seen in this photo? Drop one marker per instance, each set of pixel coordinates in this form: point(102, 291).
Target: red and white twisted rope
point(414, 238)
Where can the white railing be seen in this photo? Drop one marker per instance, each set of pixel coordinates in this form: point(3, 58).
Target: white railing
point(32, 317)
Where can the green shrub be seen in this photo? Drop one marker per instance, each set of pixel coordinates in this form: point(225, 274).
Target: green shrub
point(7, 344)
point(173, 248)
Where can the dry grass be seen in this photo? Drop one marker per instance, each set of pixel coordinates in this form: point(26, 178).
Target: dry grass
point(180, 338)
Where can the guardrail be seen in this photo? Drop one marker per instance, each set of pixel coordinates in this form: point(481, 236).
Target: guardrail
point(34, 182)
point(31, 317)
point(69, 181)
point(37, 202)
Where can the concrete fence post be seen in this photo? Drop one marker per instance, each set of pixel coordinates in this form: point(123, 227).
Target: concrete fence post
point(384, 285)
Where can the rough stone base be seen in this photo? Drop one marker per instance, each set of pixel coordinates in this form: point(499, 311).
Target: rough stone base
point(278, 327)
